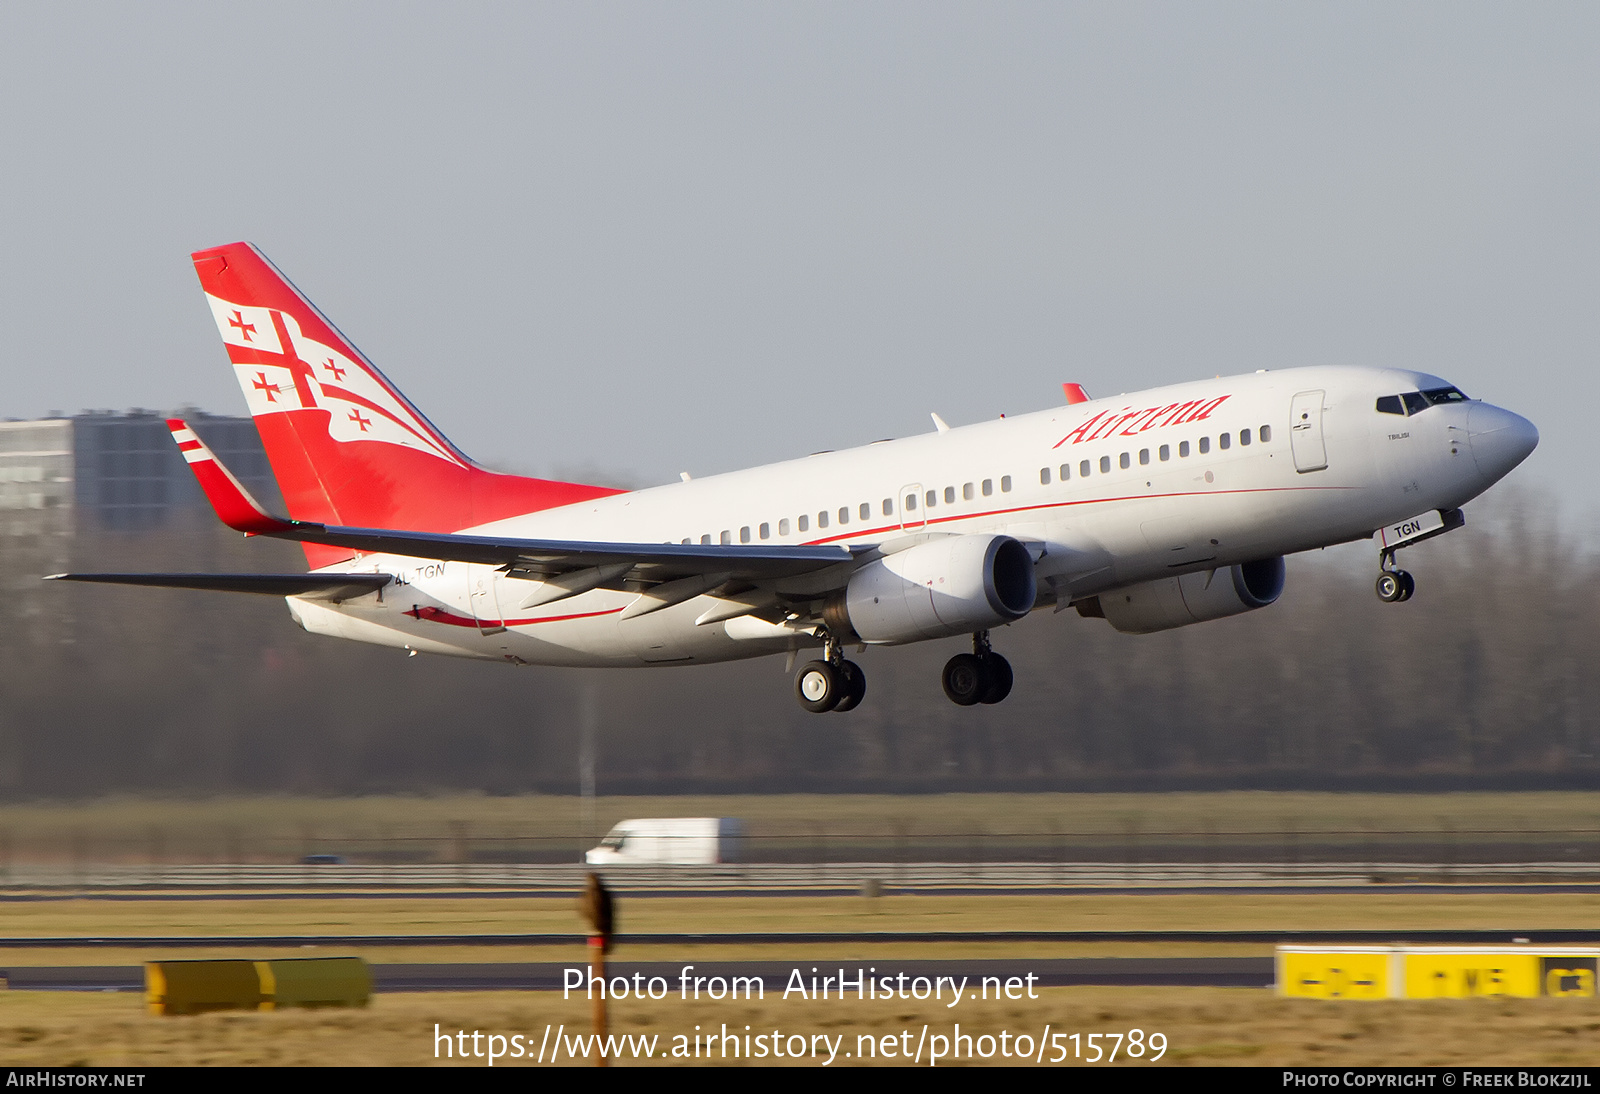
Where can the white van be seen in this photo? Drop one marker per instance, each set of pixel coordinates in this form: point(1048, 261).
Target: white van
point(679, 841)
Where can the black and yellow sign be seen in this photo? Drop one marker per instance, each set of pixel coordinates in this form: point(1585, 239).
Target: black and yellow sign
point(1431, 972)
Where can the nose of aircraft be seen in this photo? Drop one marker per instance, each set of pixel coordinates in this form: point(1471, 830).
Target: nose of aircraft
point(1499, 439)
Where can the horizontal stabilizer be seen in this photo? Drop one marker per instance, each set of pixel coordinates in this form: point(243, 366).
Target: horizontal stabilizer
point(335, 587)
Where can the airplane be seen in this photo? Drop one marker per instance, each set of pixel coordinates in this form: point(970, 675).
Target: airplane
point(1152, 510)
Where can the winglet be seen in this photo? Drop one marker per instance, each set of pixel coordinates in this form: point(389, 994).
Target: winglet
point(1075, 394)
point(227, 495)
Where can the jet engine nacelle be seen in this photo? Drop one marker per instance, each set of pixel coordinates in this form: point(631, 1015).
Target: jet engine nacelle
point(1193, 598)
point(936, 589)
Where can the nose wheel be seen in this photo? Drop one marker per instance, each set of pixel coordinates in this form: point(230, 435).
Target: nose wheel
point(981, 676)
point(1394, 585)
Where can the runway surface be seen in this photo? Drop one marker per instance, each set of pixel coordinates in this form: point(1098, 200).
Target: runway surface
point(1221, 888)
point(773, 976)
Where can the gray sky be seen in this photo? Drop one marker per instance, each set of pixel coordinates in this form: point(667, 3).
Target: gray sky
point(653, 237)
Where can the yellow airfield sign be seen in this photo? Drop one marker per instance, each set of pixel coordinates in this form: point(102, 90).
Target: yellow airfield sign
point(1435, 972)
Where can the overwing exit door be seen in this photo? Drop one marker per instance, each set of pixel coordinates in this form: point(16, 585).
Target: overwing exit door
point(481, 596)
point(912, 515)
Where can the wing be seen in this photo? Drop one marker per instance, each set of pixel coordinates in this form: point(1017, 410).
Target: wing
point(532, 558)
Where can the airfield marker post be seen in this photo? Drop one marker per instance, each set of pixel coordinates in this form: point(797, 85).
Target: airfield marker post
point(598, 908)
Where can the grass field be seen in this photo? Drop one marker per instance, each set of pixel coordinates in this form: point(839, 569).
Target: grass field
point(1201, 1026)
point(1156, 910)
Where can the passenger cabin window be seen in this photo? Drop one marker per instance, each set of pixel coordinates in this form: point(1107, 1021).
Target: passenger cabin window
point(1205, 445)
point(822, 519)
point(1105, 465)
point(1183, 449)
point(706, 539)
point(931, 498)
point(1123, 461)
point(866, 510)
point(1266, 434)
point(968, 491)
point(766, 530)
point(744, 534)
point(988, 487)
point(1066, 472)
point(1244, 436)
point(949, 495)
point(1144, 456)
point(805, 523)
point(1084, 469)
point(844, 514)
point(1005, 484)
point(911, 502)
point(1044, 476)
point(727, 537)
point(1164, 452)
point(783, 526)
point(888, 507)
point(1225, 441)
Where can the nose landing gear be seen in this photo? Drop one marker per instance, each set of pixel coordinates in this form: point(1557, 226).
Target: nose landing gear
point(1394, 584)
point(981, 676)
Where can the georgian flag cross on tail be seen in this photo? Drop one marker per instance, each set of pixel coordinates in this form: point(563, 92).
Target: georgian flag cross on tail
point(282, 369)
point(1152, 510)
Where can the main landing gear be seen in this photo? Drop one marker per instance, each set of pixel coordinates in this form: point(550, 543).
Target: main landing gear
point(830, 684)
point(1394, 584)
point(981, 676)
point(833, 683)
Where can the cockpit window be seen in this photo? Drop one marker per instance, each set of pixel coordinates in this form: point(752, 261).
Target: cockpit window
point(1437, 395)
point(1415, 402)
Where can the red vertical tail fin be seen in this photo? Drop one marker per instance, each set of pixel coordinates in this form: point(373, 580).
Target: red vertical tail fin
point(345, 445)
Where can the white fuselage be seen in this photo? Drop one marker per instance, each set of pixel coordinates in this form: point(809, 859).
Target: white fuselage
point(1282, 462)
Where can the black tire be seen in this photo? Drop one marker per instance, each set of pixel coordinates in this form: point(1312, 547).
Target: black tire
point(966, 679)
point(817, 686)
point(1408, 584)
point(853, 687)
point(1390, 588)
point(999, 679)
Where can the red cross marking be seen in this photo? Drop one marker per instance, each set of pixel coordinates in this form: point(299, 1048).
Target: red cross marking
point(338, 373)
point(272, 390)
point(246, 329)
point(355, 416)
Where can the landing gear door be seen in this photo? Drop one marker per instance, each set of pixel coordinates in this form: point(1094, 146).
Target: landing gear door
point(1305, 432)
point(483, 600)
